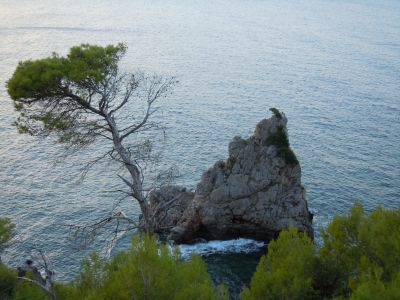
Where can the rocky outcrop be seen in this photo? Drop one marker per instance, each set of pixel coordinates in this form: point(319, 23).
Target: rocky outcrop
point(168, 205)
point(255, 193)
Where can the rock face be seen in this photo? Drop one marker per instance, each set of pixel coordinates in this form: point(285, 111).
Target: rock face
point(168, 205)
point(255, 193)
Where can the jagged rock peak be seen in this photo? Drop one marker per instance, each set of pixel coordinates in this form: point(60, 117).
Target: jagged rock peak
point(255, 193)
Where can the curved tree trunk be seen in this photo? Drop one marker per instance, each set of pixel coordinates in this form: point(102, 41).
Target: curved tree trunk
point(135, 184)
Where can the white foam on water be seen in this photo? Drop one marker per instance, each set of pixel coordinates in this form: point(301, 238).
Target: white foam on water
point(221, 247)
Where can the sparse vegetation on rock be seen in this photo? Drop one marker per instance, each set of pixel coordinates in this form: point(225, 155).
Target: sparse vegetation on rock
point(255, 193)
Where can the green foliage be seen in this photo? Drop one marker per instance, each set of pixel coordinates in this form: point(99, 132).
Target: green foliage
point(28, 291)
point(286, 271)
point(281, 141)
point(91, 277)
point(7, 281)
point(91, 62)
point(147, 271)
point(279, 138)
point(34, 79)
point(360, 259)
point(6, 228)
point(7, 276)
point(288, 155)
point(54, 94)
point(364, 248)
point(375, 289)
point(223, 292)
point(52, 76)
point(17, 289)
point(276, 112)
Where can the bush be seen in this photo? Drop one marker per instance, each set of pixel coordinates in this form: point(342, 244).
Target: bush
point(147, 271)
point(281, 141)
point(28, 291)
point(288, 155)
point(7, 281)
point(376, 289)
point(279, 138)
point(7, 276)
point(359, 259)
point(6, 228)
point(286, 271)
point(276, 112)
point(362, 249)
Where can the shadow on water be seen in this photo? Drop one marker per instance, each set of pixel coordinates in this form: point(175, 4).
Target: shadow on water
point(233, 270)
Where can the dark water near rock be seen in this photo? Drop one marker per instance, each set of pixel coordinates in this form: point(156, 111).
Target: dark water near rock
point(332, 66)
point(225, 269)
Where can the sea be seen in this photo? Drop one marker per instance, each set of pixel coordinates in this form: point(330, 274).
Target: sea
point(332, 66)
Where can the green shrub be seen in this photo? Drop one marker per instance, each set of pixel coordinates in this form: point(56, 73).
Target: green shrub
point(375, 289)
point(359, 259)
point(286, 271)
point(7, 281)
point(27, 291)
point(276, 112)
point(281, 141)
point(362, 248)
point(6, 228)
point(288, 155)
point(7, 276)
point(279, 138)
point(147, 271)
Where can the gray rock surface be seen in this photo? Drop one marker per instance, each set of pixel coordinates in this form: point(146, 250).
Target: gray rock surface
point(168, 204)
point(255, 193)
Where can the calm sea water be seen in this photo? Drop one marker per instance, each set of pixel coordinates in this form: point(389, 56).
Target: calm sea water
point(332, 66)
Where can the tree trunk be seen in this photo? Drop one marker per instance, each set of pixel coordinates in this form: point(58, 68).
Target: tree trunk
point(136, 184)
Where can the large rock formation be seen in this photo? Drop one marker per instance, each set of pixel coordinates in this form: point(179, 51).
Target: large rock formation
point(255, 193)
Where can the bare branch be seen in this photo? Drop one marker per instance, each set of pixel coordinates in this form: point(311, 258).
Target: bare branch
point(126, 181)
point(131, 86)
point(93, 162)
point(157, 87)
point(84, 234)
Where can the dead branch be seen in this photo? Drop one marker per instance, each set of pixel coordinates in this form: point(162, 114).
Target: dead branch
point(82, 235)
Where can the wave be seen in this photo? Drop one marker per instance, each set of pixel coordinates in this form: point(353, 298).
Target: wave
point(240, 245)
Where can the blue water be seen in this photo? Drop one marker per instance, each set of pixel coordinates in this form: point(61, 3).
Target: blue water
point(332, 66)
